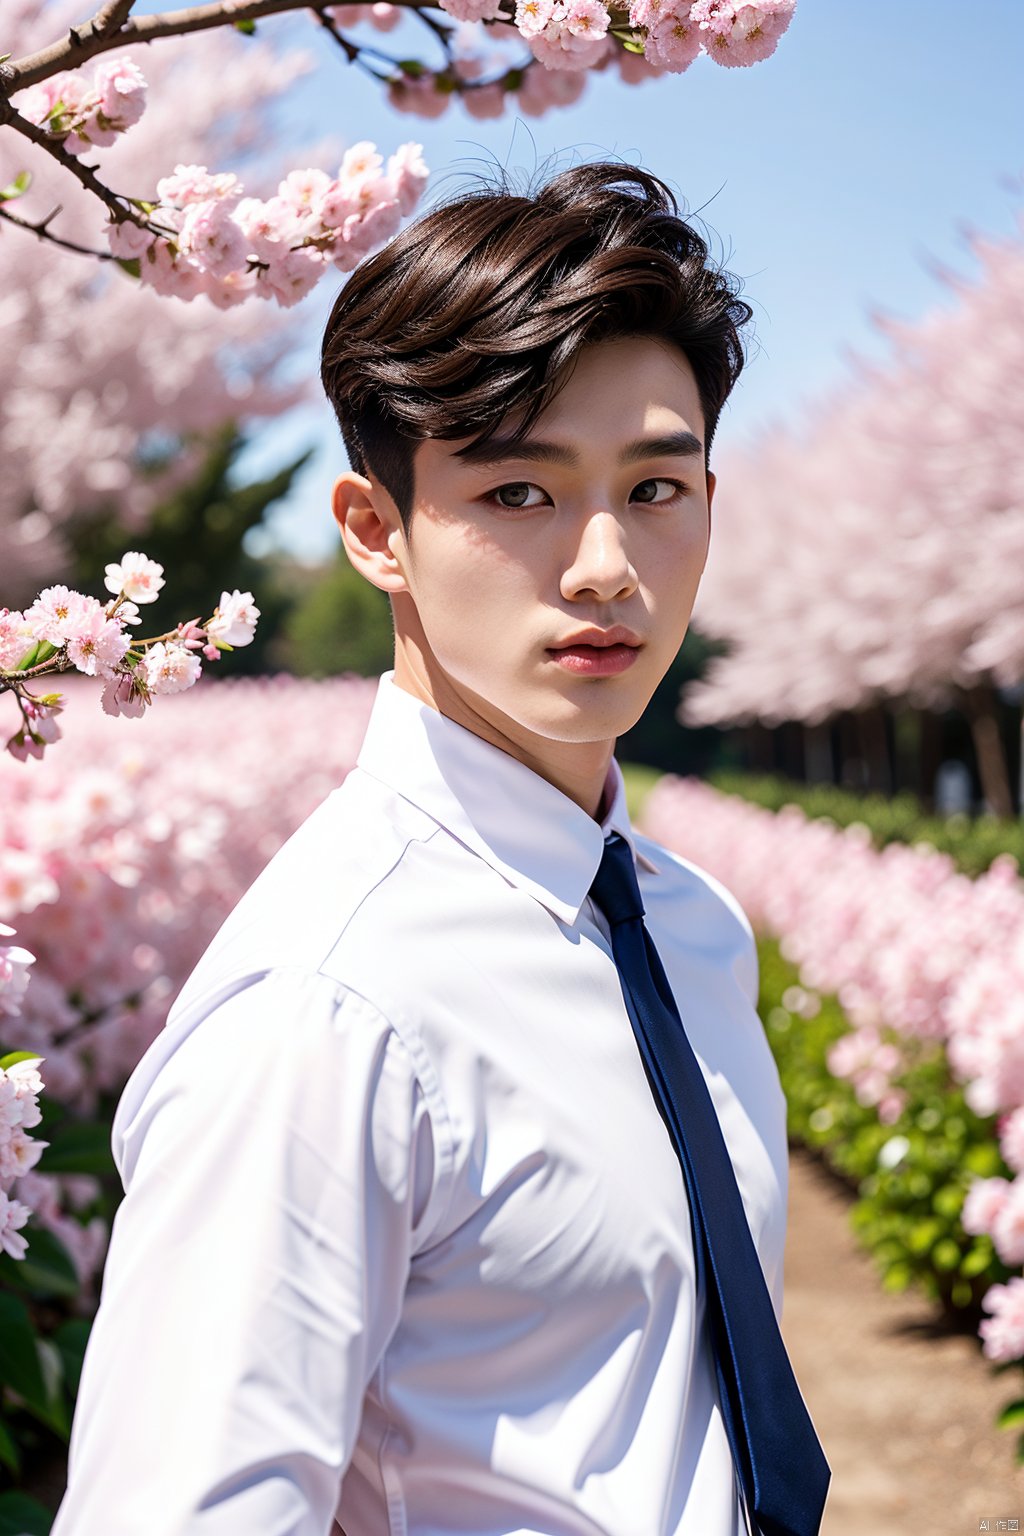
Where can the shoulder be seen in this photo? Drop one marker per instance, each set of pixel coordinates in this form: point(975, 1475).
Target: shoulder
point(688, 882)
point(290, 1057)
point(296, 911)
point(684, 897)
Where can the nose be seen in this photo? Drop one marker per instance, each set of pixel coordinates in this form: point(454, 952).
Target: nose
point(599, 566)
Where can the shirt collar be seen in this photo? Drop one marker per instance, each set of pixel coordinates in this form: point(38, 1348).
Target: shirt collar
point(525, 828)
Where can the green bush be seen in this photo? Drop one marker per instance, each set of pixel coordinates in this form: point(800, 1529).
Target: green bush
point(972, 843)
point(911, 1176)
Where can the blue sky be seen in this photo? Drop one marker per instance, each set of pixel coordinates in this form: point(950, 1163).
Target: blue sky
point(837, 177)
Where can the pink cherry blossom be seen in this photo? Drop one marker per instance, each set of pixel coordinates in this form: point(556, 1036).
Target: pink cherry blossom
point(13, 1214)
point(190, 184)
point(290, 276)
point(121, 93)
point(985, 1199)
point(167, 274)
point(234, 619)
point(125, 695)
point(1011, 1140)
point(673, 41)
point(1008, 1225)
point(211, 236)
point(127, 241)
point(58, 613)
point(16, 638)
point(14, 974)
point(18, 1154)
point(138, 577)
point(752, 34)
point(472, 10)
point(169, 668)
point(587, 18)
point(559, 47)
point(532, 16)
point(407, 174)
point(96, 644)
point(1003, 1332)
point(302, 190)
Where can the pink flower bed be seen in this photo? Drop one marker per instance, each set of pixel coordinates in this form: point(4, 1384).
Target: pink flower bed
point(120, 855)
point(904, 941)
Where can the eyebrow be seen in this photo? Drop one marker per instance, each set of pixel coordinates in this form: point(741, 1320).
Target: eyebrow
point(685, 445)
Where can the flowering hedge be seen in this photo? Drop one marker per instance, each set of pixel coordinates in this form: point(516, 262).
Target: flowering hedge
point(927, 966)
point(120, 855)
point(973, 843)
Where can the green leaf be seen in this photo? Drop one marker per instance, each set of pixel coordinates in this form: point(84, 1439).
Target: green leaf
point(9, 1453)
point(22, 1516)
point(130, 264)
point(19, 185)
point(52, 1364)
point(29, 658)
point(411, 67)
point(248, 27)
point(1012, 1416)
point(46, 1270)
point(45, 651)
point(15, 1056)
point(946, 1255)
point(20, 1365)
point(78, 1146)
point(71, 1338)
point(976, 1260)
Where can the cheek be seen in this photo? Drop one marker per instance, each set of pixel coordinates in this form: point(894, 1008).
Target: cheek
point(468, 593)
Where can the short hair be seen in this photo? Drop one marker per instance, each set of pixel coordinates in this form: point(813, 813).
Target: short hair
point(476, 311)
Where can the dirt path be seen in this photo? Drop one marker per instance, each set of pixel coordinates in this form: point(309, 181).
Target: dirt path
point(905, 1414)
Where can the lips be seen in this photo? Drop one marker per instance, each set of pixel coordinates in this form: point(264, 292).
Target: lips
point(598, 639)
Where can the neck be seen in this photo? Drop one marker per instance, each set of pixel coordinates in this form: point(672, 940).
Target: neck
point(578, 769)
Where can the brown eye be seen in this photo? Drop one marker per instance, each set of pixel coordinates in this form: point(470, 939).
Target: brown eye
point(647, 491)
point(516, 494)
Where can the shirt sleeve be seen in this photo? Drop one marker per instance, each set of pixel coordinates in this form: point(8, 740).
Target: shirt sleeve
point(280, 1166)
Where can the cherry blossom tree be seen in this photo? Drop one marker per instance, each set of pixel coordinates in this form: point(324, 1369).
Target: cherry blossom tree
point(196, 231)
point(873, 550)
point(104, 390)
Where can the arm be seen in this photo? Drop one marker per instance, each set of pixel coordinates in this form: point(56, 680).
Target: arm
point(278, 1165)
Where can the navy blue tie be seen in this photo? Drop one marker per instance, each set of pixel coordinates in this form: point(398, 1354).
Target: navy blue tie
point(779, 1462)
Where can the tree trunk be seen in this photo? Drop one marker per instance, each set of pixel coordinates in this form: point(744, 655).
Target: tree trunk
point(874, 740)
point(818, 753)
point(981, 709)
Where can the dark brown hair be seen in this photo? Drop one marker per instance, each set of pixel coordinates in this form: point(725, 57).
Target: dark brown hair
point(477, 310)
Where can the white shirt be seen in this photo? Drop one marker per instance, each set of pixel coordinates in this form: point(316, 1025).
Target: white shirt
point(405, 1243)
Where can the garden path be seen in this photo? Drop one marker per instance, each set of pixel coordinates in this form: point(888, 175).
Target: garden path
point(904, 1411)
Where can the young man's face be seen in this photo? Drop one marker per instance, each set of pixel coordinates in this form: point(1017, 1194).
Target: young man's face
point(599, 520)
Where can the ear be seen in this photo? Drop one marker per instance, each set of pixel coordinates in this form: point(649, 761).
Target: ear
point(371, 530)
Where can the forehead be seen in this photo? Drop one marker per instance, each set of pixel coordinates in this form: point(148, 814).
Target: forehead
point(612, 393)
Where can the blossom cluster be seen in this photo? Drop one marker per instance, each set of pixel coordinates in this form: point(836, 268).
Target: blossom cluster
point(87, 114)
point(20, 1085)
point(63, 628)
point(922, 456)
point(576, 34)
point(118, 866)
point(203, 235)
point(913, 949)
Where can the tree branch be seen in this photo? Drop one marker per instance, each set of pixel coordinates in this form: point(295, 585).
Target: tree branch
point(86, 42)
point(70, 162)
point(41, 229)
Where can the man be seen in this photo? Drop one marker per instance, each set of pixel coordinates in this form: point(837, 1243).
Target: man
point(406, 1243)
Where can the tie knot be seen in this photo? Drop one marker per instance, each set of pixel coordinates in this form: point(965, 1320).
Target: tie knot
point(616, 889)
